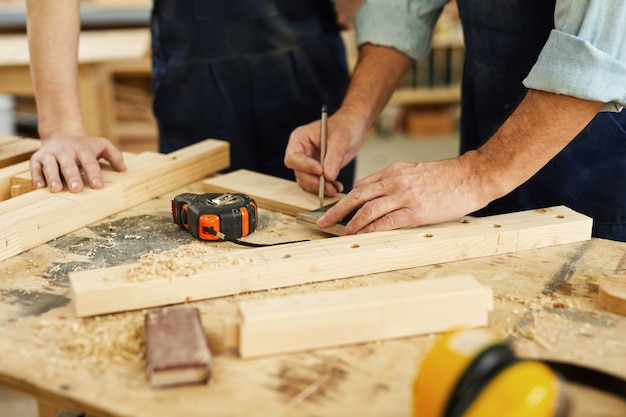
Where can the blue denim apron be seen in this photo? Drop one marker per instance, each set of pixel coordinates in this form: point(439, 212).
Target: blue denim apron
point(503, 40)
point(245, 71)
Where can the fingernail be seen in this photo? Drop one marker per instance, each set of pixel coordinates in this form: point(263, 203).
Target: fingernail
point(96, 183)
point(74, 185)
point(54, 185)
point(39, 184)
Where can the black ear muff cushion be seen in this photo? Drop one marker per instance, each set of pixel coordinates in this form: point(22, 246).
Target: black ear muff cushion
point(480, 371)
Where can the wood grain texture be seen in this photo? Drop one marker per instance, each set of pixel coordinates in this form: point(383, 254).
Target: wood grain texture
point(341, 317)
point(107, 290)
point(272, 193)
point(40, 216)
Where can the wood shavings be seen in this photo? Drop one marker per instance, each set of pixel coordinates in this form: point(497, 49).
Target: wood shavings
point(99, 342)
point(184, 261)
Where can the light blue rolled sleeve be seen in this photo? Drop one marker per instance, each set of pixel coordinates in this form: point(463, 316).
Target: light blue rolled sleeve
point(585, 55)
point(405, 25)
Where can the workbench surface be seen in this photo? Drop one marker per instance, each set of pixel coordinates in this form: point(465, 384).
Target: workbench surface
point(545, 302)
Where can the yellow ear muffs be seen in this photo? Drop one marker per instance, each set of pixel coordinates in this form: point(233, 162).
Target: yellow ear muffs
point(522, 389)
point(475, 374)
point(443, 366)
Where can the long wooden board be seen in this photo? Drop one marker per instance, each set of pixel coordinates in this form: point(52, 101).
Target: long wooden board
point(14, 149)
point(272, 193)
point(39, 216)
point(341, 317)
point(109, 290)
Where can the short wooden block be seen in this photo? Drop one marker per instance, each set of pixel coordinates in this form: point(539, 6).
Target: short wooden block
point(332, 318)
point(6, 177)
point(612, 294)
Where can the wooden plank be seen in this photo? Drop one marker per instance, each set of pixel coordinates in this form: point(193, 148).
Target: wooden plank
point(272, 193)
point(40, 216)
point(341, 317)
point(14, 149)
point(109, 290)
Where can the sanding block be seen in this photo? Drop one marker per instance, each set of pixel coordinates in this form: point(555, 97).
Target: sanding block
point(176, 348)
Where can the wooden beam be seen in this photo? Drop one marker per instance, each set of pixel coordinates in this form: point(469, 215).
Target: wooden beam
point(40, 216)
point(341, 317)
point(110, 290)
point(14, 149)
point(272, 193)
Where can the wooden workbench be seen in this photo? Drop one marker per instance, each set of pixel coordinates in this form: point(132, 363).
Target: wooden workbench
point(545, 301)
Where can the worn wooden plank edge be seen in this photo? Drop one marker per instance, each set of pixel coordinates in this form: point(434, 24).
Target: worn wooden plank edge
point(40, 216)
point(347, 316)
point(106, 291)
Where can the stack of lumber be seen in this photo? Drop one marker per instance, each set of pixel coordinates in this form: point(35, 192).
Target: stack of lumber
point(38, 216)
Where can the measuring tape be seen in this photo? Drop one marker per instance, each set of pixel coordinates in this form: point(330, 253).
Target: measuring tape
point(215, 216)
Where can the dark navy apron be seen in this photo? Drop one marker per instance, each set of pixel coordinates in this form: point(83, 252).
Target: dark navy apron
point(245, 71)
point(503, 40)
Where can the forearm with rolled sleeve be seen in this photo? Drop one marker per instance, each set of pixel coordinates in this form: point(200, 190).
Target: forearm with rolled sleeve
point(405, 25)
point(585, 55)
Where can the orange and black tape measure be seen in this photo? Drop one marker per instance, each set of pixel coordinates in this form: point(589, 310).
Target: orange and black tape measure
point(207, 216)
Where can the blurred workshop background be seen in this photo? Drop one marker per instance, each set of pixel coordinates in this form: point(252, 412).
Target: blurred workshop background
point(419, 124)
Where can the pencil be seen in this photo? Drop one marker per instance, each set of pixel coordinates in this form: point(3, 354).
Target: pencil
point(323, 131)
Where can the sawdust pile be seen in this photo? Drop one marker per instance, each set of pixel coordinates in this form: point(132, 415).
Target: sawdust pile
point(548, 319)
point(98, 343)
point(181, 262)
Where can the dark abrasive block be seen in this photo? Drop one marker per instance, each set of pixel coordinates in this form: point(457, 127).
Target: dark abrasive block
point(177, 351)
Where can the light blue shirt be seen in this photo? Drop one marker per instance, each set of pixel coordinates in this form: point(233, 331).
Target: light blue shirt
point(584, 56)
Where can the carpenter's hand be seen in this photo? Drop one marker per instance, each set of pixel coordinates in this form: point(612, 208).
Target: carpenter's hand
point(302, 154)
point(65, 157)
point(346, 10)
point(409, 194)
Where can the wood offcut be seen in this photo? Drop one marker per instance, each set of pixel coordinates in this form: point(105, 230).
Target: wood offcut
point(357, 315)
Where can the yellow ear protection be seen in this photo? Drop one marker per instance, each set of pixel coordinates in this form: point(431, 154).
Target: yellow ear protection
point(475, 374)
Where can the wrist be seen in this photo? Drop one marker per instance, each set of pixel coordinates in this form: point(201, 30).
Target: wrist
point(487, 181)
point(71, 129)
